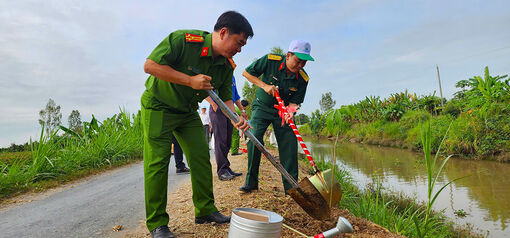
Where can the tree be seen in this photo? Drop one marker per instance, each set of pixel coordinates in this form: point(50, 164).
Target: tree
point(74, 120)
point(50, 116)
point(301, 119)
point(316, 123)
point(249, 94)
point(277, 50)
point(326, 102)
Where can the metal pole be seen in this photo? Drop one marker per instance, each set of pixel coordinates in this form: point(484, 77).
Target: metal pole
point(248, 133)
point(255, 141)
point(440, 90)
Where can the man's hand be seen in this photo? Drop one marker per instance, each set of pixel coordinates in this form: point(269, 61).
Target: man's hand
point(269, 89)
point(288, 116)
point(244, 115)
point(200, 82)
point(242, 125)
point(291, 109)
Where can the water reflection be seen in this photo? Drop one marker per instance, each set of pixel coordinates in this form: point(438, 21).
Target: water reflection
point(484, 195)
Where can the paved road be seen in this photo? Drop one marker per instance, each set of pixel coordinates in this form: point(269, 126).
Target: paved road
point(87, 209)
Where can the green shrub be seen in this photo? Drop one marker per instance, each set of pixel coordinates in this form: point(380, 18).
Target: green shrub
point(411, 118)
point(453, 108)
point(305, 129)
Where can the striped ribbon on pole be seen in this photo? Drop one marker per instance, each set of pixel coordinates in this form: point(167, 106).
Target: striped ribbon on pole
point(282, 111)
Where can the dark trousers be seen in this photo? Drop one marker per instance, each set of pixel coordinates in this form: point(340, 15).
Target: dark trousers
point(287, 146)
point(222, 132)
point(207, 133)
point(178, 155)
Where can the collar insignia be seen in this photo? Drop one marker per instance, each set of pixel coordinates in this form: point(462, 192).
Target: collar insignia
point(232, 63)
point(205, 51)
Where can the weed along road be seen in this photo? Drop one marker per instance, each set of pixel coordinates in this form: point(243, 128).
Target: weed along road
point(88, 208)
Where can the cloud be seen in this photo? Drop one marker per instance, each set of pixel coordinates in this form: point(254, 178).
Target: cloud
point(88, 55)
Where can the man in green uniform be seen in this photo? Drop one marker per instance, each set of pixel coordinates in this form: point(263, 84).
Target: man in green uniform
point(169, 107)
point(286, 73)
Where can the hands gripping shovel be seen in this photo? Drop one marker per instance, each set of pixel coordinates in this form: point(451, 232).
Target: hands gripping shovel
point(304, 193)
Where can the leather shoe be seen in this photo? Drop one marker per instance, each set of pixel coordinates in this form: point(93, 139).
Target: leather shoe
point(235, 173)
point(215, 217)
point(248, 188)
point(226, 176)
point(162, 232)
point(182, 170)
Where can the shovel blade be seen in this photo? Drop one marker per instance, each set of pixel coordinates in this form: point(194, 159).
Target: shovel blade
point(309, 198)
point(332, 196)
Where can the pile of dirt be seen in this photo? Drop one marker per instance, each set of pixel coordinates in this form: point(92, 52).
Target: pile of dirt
point(270, 196)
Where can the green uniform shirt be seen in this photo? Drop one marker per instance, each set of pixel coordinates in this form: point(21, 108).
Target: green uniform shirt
point(272, 67)
point(183, 50)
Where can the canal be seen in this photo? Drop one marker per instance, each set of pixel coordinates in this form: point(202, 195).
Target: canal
point(484, 195)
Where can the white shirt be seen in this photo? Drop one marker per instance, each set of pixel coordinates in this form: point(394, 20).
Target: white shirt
point(205, 118)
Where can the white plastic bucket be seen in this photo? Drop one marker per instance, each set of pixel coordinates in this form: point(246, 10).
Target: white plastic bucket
point(254, 223)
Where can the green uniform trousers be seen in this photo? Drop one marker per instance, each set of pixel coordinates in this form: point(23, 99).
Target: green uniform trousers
point(158, 127)
point(287, 146)
point(235, 141)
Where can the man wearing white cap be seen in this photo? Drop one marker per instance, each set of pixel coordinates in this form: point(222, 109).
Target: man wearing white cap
point(285, 72)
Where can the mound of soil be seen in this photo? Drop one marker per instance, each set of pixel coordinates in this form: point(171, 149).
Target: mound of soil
point(270, 196)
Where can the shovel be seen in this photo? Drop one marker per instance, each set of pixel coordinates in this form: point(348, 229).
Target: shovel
point(304, 193)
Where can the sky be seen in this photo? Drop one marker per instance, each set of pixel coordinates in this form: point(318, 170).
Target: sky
point(89, 55)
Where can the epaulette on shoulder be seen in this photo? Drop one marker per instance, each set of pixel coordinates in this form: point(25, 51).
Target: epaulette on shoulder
point(304, 75)
point(232, 63)
point(274, 57)
point(193, 38)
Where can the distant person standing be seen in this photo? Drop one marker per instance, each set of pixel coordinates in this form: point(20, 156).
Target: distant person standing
point(234, 149)
point(206, 121)
point(222, 132)
point(180, 167)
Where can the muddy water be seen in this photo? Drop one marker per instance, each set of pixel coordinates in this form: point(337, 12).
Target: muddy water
point(484, 195)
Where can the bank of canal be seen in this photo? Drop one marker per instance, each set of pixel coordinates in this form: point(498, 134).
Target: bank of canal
point(484, 195)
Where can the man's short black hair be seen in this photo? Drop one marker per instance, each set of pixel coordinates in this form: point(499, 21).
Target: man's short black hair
point(245, 103)
point(235, 23)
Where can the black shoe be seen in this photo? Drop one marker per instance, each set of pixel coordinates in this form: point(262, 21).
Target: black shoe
point(226, 176)
point(182, 170)
point(248, 188)
point(162, 232)
point(235, 173)
point(234, 154)
point(215, 217)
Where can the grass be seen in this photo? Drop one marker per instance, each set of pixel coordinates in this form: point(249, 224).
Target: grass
point(58, 158)
point(393, 211)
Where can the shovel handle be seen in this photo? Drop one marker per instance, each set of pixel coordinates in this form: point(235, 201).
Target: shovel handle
point(255, 141)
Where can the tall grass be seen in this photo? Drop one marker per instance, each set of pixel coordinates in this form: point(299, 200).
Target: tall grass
point(393, 211)
point(114, 141)
point(396, 212)
point(433, 172)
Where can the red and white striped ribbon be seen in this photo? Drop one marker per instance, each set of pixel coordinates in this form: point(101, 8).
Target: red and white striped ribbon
point(283, 109)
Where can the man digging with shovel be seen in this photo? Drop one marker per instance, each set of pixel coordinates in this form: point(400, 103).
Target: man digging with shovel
point(169, 106)
point(286, 73)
